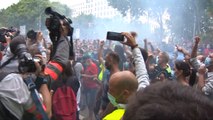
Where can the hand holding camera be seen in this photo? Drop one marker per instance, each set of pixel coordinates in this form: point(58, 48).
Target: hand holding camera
point(130, 40)
point(115, 36)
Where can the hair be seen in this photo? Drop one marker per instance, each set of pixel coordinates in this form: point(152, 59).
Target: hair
point(181, 65)
point(169, 101)
point(193, 77)
point(165, 56)
point(18, 40)
point(114, 57)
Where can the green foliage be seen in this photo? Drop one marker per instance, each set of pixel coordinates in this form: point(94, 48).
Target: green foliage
point(29, 13)
point(187, 17)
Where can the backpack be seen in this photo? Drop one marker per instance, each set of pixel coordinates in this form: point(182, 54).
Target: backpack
point(64, 103)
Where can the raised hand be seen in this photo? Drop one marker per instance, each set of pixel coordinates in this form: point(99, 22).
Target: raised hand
point(130, 39)
point(197, 40)
point(179, 49)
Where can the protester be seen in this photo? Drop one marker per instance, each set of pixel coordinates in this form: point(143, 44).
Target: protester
point(14, 93)
point(161, 71)
point(182, 71)
point(110, 66)
point(109, 73)
point(169, 100)
point(121, 86)
point(90, 85)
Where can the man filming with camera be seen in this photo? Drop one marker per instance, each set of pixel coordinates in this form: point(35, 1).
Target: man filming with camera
point(62, 49)
point(15, 96)
point(37, 44)
point(22, 76)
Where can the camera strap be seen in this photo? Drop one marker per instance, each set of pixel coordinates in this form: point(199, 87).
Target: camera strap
point(7, 62)
point(35, 96)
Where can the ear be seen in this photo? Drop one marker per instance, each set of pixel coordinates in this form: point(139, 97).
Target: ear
point(126, 94)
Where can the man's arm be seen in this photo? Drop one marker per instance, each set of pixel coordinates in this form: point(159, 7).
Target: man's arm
point(195, 47)
point(206, 88)
point(183, 51)
point(100, 53)
point(193, 60)
point(140, 67)
point(46, 99)
point(201, 77)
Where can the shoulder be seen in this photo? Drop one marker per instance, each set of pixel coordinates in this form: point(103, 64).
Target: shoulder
point(115, 115)
point(13, 76)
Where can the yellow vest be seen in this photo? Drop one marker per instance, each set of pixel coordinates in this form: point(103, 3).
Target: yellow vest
point(115, 115)
point(101, 74)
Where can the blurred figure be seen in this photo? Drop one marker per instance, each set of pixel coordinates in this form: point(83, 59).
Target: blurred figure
point(205, 82)
point(90, 85)
point(109, 66)
point(182, 71)
point(14, 93)
point(78, 68)
point(162, 66)
point(120, 51)
point(124, 84)
point(121, 86)
point(169, 101)
point(37, 45)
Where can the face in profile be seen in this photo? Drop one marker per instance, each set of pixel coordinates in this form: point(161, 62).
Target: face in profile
point(108, 62)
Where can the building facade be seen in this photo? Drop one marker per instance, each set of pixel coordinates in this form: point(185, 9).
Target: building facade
point(98, 8)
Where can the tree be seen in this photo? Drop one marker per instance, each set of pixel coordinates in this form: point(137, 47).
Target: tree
point(187, 17)
point(30, 13)
point(154, 9)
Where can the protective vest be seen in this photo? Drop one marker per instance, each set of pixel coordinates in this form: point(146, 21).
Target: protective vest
point(115, 115)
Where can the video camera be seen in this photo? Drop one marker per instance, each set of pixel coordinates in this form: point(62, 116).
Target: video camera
point(5, 32)
point(53, 24)
point(26, 61)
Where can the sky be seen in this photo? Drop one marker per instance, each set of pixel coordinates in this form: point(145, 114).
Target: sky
point(6, 3)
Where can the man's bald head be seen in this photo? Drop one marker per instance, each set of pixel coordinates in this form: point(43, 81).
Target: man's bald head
point(124, 80)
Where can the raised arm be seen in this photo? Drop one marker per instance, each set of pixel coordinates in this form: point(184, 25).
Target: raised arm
point(100, 53)
point(151, 46)
point(140, 67)
point(195, 47)
point(182, 50)
point(194, 62)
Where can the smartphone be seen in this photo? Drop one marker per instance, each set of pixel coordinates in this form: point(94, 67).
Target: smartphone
point(115, 36)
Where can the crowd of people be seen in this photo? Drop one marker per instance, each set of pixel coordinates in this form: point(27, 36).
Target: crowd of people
point(113, 80)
